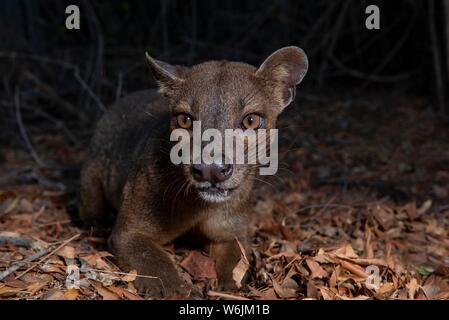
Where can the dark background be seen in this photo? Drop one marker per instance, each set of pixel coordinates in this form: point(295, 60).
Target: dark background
point(39, 56)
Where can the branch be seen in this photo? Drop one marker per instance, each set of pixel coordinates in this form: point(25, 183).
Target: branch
point(22, 263)
point(23, 131)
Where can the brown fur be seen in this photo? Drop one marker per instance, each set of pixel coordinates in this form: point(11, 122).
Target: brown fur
point(129, 168)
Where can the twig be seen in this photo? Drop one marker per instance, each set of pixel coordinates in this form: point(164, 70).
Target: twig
point(437, 59)
point(332, 41)
point(59, 123)
point(90, 92)
point(22, 263)
point(94, 63)
point(327, 205)
point(242, 251)
point(46, 182)
point(122, 273)
point(54, 223)
point(17, 241)
point(446, 18)
point(225, 295)
point(394, 51)
point(48, 92)
point(13, 55)
point(372, 76)
point(353, 269)
point(23, 130)
point(118, 92)
point(48, 255)
point(315, 27)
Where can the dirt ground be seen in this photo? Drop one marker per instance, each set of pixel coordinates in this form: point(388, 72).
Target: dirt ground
point(358, 210)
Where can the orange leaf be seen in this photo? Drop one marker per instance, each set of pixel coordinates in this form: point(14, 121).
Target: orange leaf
point(72, 294)
point(105, 293)
point(199, 266)
point(316, 270)
point(353, 268)
point(122, 293)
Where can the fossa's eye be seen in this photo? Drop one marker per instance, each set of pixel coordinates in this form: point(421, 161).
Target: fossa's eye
point(184, 121)
point(253, 121)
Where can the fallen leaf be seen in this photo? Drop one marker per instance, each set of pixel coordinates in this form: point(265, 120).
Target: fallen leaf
point(353, 268)
point(326, 293)
point(286, 254)
point(54, 294)
point(122, 293)
point(410, 210)
point(316, 270)
point(287, 290)
point(7, 291)
point(424, 271)
point(130, 276)
point(106, 278)
point(368, 262)
point(312, 290)
point(435, 287)
point(412, 288)
point(95, 260)
point(105, 293)
point(199, 266)
point(345, 252)
point(72, 294)
point(12, 282)
point(36, 281)
point(368, 248)
point(424, 207)
point(239, 271)
point(385, 288)
point(333, 279)
point(268, 294)
point(12, 206)
point(67, 252)
point(25, 205)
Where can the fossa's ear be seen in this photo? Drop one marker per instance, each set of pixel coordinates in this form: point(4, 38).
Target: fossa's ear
point(167, 76)
point(282, 71)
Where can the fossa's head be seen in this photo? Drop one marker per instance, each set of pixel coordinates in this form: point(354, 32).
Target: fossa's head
point(228, 95)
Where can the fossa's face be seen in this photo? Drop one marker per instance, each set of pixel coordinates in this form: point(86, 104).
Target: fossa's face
point(224, 95)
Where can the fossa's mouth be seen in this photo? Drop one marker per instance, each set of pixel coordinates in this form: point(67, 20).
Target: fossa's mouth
point(215, 194)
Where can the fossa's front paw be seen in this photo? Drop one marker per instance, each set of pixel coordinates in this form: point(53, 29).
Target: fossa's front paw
point(226, 281)
point(167, 288)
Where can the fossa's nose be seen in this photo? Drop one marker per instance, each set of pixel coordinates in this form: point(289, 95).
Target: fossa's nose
point(213, 173)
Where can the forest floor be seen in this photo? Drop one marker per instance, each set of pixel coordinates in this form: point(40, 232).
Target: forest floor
point(359, 210)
